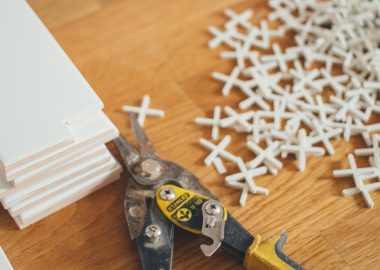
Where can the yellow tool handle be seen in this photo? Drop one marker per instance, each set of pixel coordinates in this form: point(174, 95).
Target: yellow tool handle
point(262, 255)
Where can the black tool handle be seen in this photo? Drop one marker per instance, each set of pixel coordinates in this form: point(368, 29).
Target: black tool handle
point(156, 254)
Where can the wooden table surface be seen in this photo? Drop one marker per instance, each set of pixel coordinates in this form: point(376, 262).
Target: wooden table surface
point(126, 49)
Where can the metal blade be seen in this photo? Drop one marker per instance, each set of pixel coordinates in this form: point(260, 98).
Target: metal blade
point(144, 145)
point(126, 150)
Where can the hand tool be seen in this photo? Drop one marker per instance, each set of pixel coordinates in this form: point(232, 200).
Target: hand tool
point(161, 195)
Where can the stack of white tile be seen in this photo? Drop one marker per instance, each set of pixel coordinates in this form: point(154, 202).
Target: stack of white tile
point(53, 130)
point(4, 262)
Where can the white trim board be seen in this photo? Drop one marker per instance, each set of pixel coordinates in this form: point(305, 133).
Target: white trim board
point(41, 91)
point(56, 167)
point(91, 160)
point(94, 130)
point(4, 262)
point(45, 196)
point(67, 198)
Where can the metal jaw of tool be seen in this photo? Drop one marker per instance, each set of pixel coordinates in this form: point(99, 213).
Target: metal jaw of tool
point(161, 194)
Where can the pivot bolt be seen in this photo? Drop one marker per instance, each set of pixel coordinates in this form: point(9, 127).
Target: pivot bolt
point(153, 233)
point(151, 169)
point(167, 194)
point(212, 208)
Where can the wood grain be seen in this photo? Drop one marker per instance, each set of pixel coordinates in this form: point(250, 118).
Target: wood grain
point(128, 48)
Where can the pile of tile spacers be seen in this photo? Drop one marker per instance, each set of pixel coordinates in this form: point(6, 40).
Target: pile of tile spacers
point(300, 98)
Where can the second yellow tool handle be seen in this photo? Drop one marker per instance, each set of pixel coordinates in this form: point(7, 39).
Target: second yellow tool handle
point(262, 255)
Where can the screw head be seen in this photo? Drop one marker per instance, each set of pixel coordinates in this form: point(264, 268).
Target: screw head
point(167, 194)
point(150, 169)
point(153, 233)
point(212, 208)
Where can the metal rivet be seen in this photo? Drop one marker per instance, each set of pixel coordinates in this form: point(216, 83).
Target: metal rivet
point(153, 233)
point(167, 194)
point(134, 211)
point(212, 208)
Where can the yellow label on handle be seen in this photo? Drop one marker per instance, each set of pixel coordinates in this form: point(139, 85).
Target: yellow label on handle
point(184, 208)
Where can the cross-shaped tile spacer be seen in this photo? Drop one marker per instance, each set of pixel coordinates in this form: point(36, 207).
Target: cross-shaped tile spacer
point(302, 149)
point(374, 151)
point(279, 58)
point(334, 81)
point(217, 150)
point(258, 126)
point(241, 19)
point(262, 68)
point(219, 166)
point(229, 81)
point(304, 79)
point(359, 175)
point(236, 118)
point(214, 122)
point(143, 111)
point(349, 128)
point(267, 84)
point(249, 184)
point(252, 99)
point(221, 37)
point(239, 54)
point(347, 106)
point(324, 137)
point(266, 156)
point(277, 114)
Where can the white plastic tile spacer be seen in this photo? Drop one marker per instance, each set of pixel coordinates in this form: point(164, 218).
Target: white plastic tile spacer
point(241, 19)
point(143, 111)
point(302, 149)
point(239, 54)
point(265, 156)
point(277, 114)
point(324, 137)
point(374, 151)
point(217, 150)
point(214, 122)
point(336, 82)
point(247, 175)
point(236, 118)
point(219, 166)
point(258, 126)
point(304, 79)
point(345, 107)
point(253, 99)
point(264, 33)
point(221, 37)
point(359, 175)
point(229, 81)
point(279, 58)
point(262, 68)
point(267, 84)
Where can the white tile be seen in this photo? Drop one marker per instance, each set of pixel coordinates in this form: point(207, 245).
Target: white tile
point(66, 198)
point(44, 196)
point(4, 262)
point(94, 130)
point(90, 160)
point(41, 91)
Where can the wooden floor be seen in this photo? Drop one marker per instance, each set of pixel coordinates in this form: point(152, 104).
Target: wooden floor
point(128, 48)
